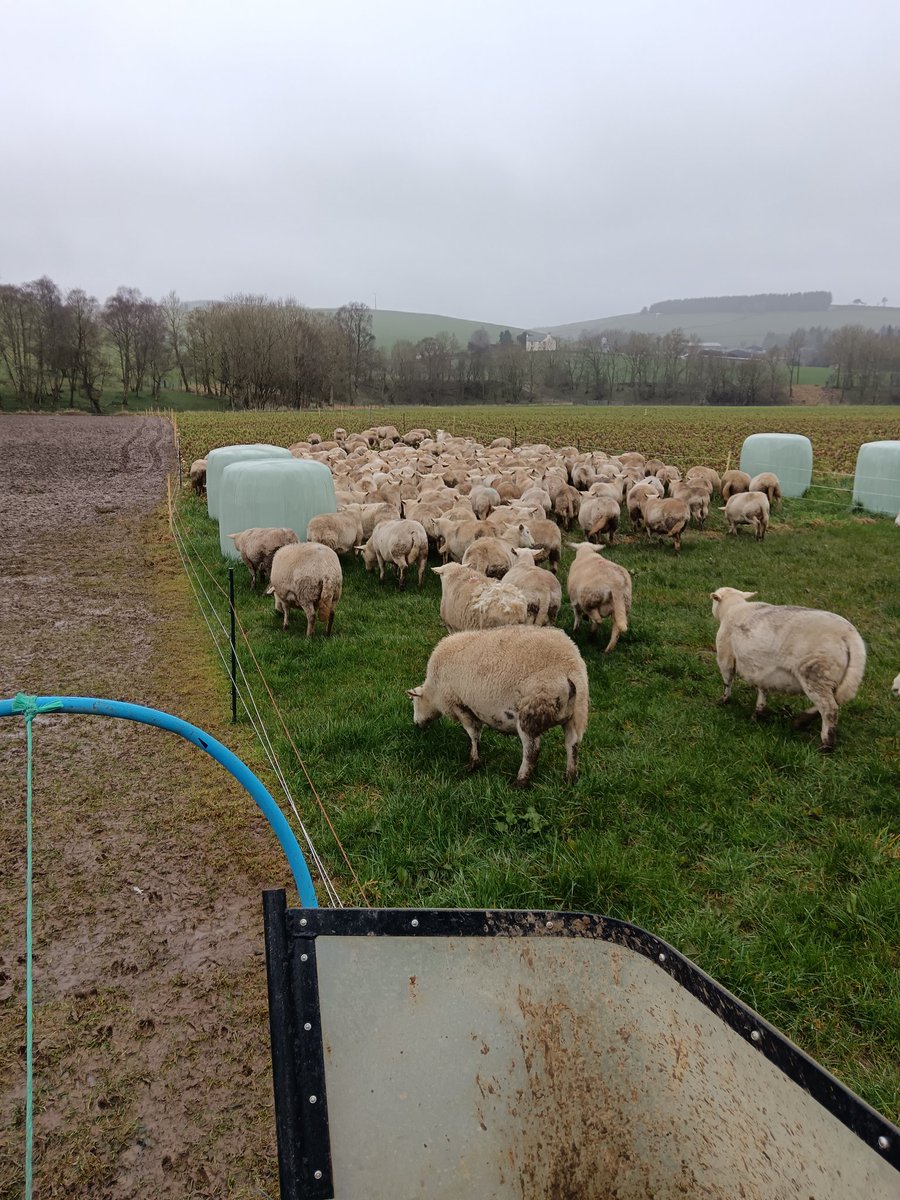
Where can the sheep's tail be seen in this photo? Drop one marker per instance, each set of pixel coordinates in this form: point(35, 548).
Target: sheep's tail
point(325, 600)
point(548, 703)
point(856, 665)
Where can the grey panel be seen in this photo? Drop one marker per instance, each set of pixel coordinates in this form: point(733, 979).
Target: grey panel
point(553, 1069)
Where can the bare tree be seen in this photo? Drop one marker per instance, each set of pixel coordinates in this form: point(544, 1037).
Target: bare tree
point(355, 323)
point(121, 316)
point(86, 352)
point(174, 315)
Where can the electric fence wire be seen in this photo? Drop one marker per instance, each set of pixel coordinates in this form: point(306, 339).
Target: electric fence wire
point(255, 718)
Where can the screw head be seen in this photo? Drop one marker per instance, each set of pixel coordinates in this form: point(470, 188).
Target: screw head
point(317, 1174)
point(304, 957)
point(883, 1143)
point(414, 922)
point(549, 924)
point(303, 920)
point(313, 1099)
point(755, 1036)
point(661, 957)
point(307, 1026)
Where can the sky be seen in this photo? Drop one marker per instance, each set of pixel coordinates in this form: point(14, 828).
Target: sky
point(518, 163)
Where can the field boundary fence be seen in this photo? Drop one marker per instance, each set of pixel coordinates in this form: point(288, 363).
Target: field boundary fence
point(196, 569)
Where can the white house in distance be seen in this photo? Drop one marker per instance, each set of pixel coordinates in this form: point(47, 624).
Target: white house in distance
point(539, 341)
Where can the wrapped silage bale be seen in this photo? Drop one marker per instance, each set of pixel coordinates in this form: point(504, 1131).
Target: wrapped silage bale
point(787, 455)
point(282, 493)
point(224, 456)
point(876, 484)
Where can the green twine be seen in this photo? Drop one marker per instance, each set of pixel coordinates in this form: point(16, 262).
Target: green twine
point(29, 707)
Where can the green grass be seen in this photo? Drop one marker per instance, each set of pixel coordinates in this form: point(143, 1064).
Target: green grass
point(774, 867)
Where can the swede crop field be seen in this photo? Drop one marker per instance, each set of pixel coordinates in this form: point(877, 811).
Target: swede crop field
point(776, 868)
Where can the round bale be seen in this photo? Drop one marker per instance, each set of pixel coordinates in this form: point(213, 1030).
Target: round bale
point(274, 493)
point(217, 460)
point(787, 455)
point(876, 484)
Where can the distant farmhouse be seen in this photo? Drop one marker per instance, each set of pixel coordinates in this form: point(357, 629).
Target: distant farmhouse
point(539, 341)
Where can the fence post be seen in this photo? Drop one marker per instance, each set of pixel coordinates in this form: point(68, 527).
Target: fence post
point(233, 647)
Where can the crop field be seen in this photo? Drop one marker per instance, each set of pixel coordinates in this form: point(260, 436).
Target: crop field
point(680, 435)
point(776, 868)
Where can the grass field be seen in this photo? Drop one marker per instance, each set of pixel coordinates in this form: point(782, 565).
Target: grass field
point(776, 868)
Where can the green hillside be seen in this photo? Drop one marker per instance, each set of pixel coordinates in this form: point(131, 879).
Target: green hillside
point(735, 329)
point(390, 327)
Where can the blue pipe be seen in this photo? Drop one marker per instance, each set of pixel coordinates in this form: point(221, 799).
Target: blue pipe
point(215, 749)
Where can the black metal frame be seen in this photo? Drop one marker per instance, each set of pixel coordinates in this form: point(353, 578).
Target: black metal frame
point(303, 1141)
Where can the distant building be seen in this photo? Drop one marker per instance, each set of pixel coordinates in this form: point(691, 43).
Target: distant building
point(539, 341)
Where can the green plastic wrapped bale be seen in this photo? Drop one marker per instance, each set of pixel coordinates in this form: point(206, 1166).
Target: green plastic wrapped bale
point(876, 485)
point(272, 494)
point(218, 460)
point(787, 455)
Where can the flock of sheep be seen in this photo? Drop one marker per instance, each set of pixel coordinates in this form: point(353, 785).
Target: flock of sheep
point(493, 513)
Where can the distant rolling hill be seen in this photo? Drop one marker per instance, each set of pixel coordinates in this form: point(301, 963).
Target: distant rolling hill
point(390, 327)
point(734, 329)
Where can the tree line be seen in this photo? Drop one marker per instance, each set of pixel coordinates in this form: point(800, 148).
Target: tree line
point(254, 352)
point(761, 302)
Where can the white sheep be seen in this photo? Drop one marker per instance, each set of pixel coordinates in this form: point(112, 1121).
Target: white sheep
point(733, 483)
point(257, 547)
point(523, 681)
point(339, 531)
point(491, 556)
point(541, 589)
point(404, 543)
point(748, 508)
point(306, 576)
point(469, 600)
point(599, 515)
point(768, 483)
point(895, 687)
point(667, 518)
point(782, 648)
point(198, 476)
point(598, 588)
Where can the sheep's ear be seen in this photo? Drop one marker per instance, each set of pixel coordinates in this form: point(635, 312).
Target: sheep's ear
point(440, 570)
point(749, 595)
point(270, 590)
point(414, 693)
point(716, 595)
point(234, 535)
point(359, 549)
point(722, 509)
point(575, 545)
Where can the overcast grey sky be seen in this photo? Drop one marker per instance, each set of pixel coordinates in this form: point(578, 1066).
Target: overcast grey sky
point(509, 162)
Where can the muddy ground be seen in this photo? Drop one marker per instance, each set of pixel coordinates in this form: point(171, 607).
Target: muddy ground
point(152, 1070)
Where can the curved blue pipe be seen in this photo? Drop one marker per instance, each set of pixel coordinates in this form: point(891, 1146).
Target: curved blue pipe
point(215, 749)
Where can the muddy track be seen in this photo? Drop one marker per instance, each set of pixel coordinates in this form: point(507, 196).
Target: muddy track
point(151, 1041)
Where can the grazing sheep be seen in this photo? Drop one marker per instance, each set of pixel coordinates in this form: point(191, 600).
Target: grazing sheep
point(538, 496)
point(546, 537)
point(782, 648)
point(457, 536)
point(198, 476)
point(471, 601)
point(706, 473)
point(599, 515)
point(636, 496)
point(895, 687)
point(733, 483)
point(339, 531)
point(306, 576)
point(541, 589)
point(491, 556)
point(523, 681)
point(404, 543)
point(598, 588)
point(668, 475)
point(484, 499)
point(768, 483)
point(667, 518)
point(567, 504)
point(748, 508)
point(695, 493)
point(257, 547)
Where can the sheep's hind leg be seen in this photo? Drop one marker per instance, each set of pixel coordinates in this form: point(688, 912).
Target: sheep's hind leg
point(573, 742)
point(310, 611)
point(530, 748)
point(472, 726)
point(826, 705)
point(760, 711)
